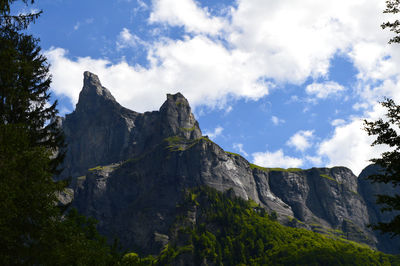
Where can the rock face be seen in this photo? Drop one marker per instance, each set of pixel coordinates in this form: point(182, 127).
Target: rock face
point(368, 192)
point(100, 131)
point(130, 170)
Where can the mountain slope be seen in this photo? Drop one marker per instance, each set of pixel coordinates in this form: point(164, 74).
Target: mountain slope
point(131, 170)
point(226, 230)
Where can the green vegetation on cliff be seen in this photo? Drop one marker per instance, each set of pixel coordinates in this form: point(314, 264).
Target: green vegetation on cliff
point(231, 231)
point(177, 143)
point(254, 166)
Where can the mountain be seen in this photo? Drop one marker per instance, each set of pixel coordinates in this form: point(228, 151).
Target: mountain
point(131, 171)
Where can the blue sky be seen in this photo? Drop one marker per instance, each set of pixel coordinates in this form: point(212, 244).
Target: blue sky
point(284, 83)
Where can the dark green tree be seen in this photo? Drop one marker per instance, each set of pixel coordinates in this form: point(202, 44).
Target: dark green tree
point(386, 132)
point(33, 230)
point(392, 7)
point(18, 21)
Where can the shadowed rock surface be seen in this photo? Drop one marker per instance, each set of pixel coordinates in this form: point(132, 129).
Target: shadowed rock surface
point(130, 170)
point(368, 191)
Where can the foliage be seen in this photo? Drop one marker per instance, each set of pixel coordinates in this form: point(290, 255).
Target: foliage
point(392, 6)
point(130, 259)
point(97, 168)
point(386, 134)
point(230, 231)
point(19, 21)
point(177, 143)
point(187, 129)
point(75, 241)
point(26, 195)
point(254, 166)
point(232, 153)
point(24, 90)
point(33, 231)
point(328, 177)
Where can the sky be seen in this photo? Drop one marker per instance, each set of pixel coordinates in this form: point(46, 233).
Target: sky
point(284, 83)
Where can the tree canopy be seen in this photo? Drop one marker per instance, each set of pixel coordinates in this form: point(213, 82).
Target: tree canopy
point(386, 132)
point(33, 230)
point(392, 7)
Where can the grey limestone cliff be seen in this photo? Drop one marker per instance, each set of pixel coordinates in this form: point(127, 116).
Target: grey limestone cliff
point(130, 171)
point(100, 131)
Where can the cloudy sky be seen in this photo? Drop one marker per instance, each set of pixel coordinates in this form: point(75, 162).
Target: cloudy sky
point(285, 83)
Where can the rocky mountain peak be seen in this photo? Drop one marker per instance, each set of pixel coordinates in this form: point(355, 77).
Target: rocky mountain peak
point(175, 103)
point(90, 79)
point(93, 95)
point(129, 171)
point(177, 117)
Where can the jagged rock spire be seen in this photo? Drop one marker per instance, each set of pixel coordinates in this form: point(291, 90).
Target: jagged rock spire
point(177, 117)
point(93, 95)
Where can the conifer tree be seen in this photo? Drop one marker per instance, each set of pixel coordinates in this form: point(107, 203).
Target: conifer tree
point(392, 7)
point(386, 132)
point(33, 231)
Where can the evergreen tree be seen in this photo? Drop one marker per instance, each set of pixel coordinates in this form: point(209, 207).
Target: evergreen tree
point(19, 21)
point(392, 7)
point(33, 231)
point(24, 88)
point(386, 132)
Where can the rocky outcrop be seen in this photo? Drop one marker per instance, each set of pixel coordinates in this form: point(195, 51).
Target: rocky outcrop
point(100, 131)
point(130, 171)
point(369, 190)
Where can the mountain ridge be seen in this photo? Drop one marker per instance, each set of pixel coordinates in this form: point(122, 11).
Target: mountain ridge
point(130, 170)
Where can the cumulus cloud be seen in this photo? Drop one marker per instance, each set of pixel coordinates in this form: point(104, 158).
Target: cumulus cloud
point(204, 71)
point(214, 134)
point(239, 147)
point(323, 90)
point(276, 159)
point(350, 146)
point(301, 140)
point(186, 13)
point(259, 43)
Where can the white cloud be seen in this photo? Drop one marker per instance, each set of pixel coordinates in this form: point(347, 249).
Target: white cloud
point(239, 147)
point(276, 121)
point(323, 90)
point(186, 13)
point(283, 41)
point(338, 122)
point(359, 106)
point(315, 160)
point(127, 39)
point(275, 159)
point(214, 134)
point(228, 109)
point(291, 40)
point(349, 146)
point(204, 71)
point(301, 140)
